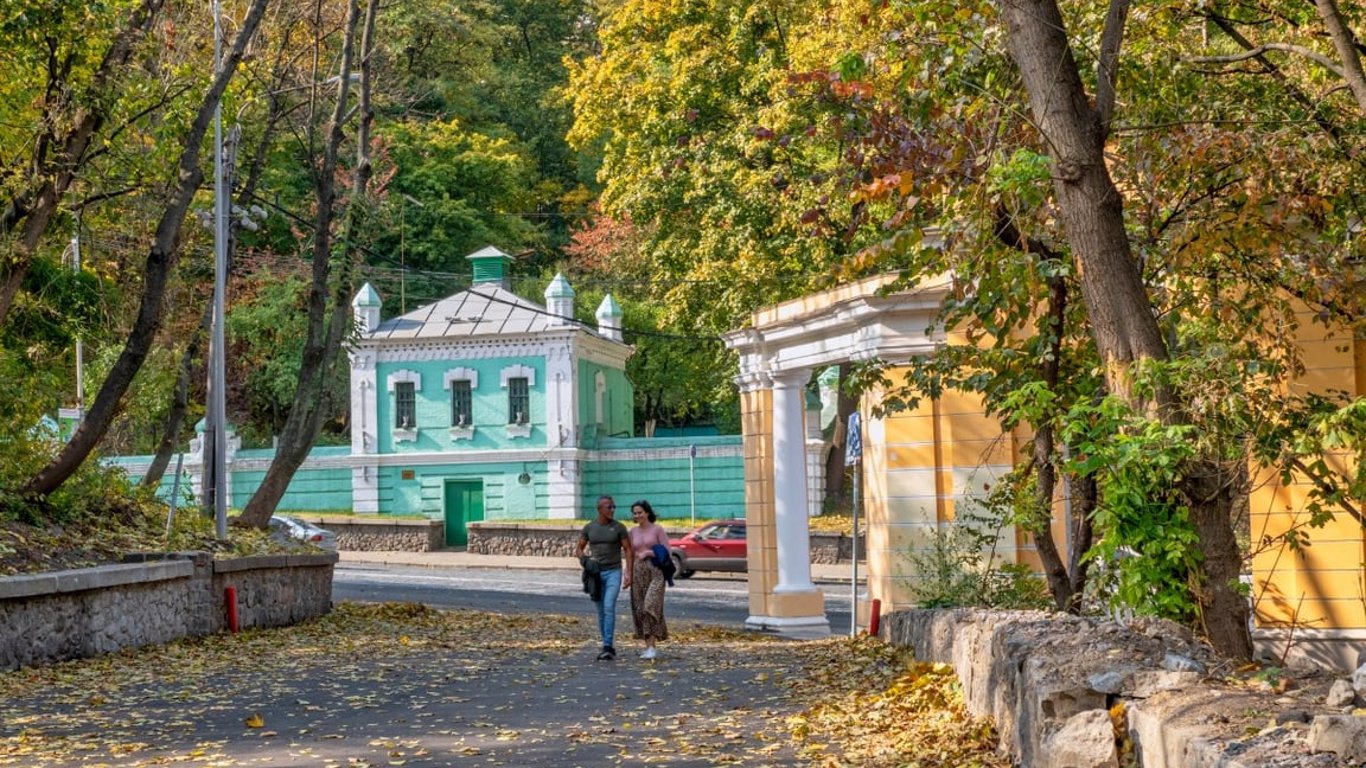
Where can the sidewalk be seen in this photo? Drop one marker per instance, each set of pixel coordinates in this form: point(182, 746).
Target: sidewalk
point(454, 558)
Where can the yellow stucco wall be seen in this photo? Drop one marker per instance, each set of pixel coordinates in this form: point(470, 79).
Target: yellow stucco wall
point(1323, 586)
point(925, 467)
point(756, 413)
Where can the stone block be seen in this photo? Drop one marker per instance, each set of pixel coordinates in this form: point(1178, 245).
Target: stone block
point(1342, 694)
point(1343, 735)
point(1086, 740)
point(1147, 683)
point(1359, 682)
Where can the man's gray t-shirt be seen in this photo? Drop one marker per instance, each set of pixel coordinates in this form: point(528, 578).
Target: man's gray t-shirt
point(604, 542)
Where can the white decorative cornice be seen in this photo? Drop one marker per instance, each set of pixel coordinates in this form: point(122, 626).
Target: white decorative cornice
point(460, 374)
point(752, 381)
point(517, 372)
point(404, 375)
point(362, 360)
point(790, 379)
point(383, 346)
point(850, 322)
point(469, 456)
point(525, 455)
point(596, 349)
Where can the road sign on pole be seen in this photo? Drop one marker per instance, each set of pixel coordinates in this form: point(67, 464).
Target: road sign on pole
point(692, 481)
point(853, 456)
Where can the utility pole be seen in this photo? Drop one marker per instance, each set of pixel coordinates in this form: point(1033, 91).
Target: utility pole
point(80, 346)
point(402, 254)
point(216, 427)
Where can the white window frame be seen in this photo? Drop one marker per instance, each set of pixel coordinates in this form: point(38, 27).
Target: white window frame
point(462, 374)
point(408, 377)
point(517, 372)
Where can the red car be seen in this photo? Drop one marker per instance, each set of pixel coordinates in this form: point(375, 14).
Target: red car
point(715, 546)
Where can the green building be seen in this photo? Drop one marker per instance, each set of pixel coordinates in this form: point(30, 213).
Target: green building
point(484, 405)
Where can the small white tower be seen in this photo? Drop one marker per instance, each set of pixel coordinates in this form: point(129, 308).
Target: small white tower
point(366, 306)
point(609, 318)
point(559, 299)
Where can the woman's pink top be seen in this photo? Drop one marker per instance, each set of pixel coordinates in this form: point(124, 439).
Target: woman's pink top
point(645, 536)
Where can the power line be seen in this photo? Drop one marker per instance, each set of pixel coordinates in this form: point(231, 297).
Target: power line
point(447, 276)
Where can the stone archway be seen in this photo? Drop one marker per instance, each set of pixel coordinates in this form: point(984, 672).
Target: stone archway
point(781, 349)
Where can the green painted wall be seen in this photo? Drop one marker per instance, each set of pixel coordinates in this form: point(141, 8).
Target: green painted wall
point(490, 402)
point(504, 497)
point(618, 403)
point(310, 489)
point(719, 481)
point(136, 466)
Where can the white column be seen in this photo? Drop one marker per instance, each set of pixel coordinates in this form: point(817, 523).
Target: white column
point(563, 479)
point(561, 418)
point(789, 482)
point(365, 396)
point(364, 400)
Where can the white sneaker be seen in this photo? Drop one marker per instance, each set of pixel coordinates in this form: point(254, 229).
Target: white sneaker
point(647, 654)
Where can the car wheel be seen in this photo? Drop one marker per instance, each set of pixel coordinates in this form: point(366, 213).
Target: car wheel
point(679, 571)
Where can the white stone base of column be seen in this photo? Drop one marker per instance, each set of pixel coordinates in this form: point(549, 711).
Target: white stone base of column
point(562, 488)
point(799, 628)
point(365, 490)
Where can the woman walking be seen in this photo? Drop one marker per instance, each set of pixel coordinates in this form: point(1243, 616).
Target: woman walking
point(650, 545)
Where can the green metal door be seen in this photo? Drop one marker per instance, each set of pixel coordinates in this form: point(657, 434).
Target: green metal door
point(464, 504)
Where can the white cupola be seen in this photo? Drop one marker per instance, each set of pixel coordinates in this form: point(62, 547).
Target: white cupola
point(609, 318)
point(559, 300)
point(367, 305)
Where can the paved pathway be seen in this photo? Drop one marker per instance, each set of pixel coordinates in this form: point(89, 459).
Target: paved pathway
point(400, 685)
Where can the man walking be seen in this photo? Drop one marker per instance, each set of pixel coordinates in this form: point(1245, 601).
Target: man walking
point(609, 545)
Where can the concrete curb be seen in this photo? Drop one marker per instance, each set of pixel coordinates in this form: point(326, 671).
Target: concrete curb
point(84, 579)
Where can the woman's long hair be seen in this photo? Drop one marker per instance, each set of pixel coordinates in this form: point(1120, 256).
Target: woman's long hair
point(645, 505)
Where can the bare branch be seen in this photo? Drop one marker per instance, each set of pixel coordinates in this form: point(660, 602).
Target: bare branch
point(1327, 126)
point(1255, 53)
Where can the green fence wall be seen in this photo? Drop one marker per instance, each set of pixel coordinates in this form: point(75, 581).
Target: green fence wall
point(660, 470)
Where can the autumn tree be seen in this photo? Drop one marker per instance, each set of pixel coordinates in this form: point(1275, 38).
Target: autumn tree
point(161, 259)
point(334, 257)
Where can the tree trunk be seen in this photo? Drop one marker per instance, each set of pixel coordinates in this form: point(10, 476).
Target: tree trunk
point(1085, 495)
point(51, 178)
point(1040, 524)
point(1122, 319)
point(161, 258)
point(1346, 47)
point(326, 331)
point(845, 404)
point(180, 399)
point(180, 402)
point(1059, 584)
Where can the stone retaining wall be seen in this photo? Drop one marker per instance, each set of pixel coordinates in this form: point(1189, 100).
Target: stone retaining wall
point(531, 539)
point(60, 615)
point(380, 534)
point(1051, 683)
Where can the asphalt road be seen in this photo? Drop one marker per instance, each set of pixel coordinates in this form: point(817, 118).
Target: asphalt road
point(710, 599)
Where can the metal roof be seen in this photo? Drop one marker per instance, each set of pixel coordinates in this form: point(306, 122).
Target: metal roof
point(486, 309)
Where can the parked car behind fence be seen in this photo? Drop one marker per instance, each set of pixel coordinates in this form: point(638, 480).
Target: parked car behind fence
point(291, 529)
point(715, 546)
